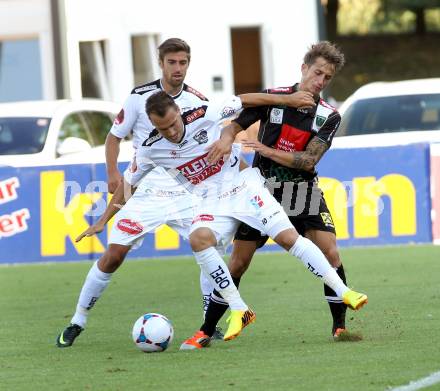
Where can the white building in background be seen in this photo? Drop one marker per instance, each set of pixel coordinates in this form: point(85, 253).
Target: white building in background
point(102, 48)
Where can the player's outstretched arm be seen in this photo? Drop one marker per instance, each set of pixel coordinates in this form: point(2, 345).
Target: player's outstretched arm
point(299, 99)
point(111, 159)
point(122, 194)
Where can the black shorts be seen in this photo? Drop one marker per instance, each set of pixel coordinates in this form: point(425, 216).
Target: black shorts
point(307, 211)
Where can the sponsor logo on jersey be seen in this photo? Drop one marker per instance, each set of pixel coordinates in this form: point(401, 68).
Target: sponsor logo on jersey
point(129, 226)
point(198, 169)
point(281, 89)
point(146, 88)
point(196, 93)
point(276, 116)
point(201, 136)
point(327, 219)
point(325, 104)
point(292, 139)
point(227, 112)
point(192, 116)
point(169, 193)
point(257, 202)
point(182, 144)
point(220, 277)
point(203, 217)
point(151, 140)
point(119, 118)
point(233, 191)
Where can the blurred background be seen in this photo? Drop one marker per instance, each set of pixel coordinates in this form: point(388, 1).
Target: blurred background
point(77, 61)
point(75, 48)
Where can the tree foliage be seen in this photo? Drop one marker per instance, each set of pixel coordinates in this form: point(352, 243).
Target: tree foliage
point(381, 16)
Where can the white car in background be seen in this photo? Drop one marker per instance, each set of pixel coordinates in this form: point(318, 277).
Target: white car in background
point(39, 133)
point(391, 113)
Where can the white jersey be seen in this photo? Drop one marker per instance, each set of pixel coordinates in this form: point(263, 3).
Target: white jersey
point(133, 117)
point(189, 157)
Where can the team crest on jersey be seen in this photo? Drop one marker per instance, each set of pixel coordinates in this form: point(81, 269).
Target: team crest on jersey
point(276, 116)
point(119, 118)
point(201, 136)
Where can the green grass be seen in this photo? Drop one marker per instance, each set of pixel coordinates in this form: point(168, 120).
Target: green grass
point(288, 348)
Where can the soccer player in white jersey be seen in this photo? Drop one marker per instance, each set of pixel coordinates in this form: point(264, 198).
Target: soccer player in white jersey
point(180, 142)
point(159, 199)
point(174, 59)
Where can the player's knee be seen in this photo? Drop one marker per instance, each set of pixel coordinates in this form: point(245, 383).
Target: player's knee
point(287, 238)
point(201, 239)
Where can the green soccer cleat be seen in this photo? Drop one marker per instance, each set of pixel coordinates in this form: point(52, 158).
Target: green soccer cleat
point(354, 300)
point(67, 337)
point(238, 320)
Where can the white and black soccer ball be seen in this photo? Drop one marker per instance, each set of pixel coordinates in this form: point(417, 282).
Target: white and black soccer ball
point(153, 333)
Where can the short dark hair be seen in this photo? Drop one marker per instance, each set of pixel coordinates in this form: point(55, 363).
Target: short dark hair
point(173, 45)
point(327, 50)
point(159, 103)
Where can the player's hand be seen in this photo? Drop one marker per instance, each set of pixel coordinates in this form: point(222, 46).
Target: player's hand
point(262, 149)
point(300, 100)
point(218, 149)
point(92, 230)
point(114, 180)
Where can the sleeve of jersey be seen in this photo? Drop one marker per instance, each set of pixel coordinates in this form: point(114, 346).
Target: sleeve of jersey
point(226, 110)
point(125, 120)
point(249, 116)
point(329, 128)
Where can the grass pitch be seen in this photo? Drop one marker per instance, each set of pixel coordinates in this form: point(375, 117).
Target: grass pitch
point(288, 348)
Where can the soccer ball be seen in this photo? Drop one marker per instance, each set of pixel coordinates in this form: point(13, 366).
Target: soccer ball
point(152, 333)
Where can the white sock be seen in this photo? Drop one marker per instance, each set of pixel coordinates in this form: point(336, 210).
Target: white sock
point(217, 272)
point(95, 283)
point(206, 288)
point(315, 261)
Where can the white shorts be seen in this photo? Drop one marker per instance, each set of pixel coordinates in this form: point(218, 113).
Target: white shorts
point(245, 200)
point(147, 209)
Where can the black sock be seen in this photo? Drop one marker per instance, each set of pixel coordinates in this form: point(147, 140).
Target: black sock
point(215, 311)
point(337, 309)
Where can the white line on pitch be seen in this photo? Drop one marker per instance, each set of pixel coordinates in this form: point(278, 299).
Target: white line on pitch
point(427, 381)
